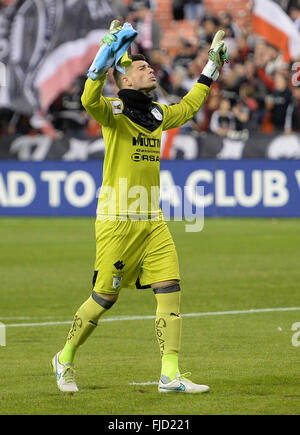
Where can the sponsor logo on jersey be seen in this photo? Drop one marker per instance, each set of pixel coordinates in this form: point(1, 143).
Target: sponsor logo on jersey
point(116, 106)
point(146, 141)
point(138, 157)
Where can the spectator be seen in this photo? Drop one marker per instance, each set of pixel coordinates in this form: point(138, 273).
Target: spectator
point(246, 93)
point(178, 9)
point(162, 72)
point(260, 90)
point(227, 23)
point(5, 117)
point(242, 115)
point(254, 81)
point(67, 112)
point(223, 120)
point(192, 74)
point(243, 48)
point(14, 123)
point(295, 15)
point(208, 28)
point(279, 101)
point(193, 9)
point(230, 85)
point(292, 121)
point(148, 28)
point(212, 104)
point(178, 90)
point(187, 53)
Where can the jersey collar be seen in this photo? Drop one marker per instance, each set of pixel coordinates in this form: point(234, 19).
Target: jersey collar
point(136, 99)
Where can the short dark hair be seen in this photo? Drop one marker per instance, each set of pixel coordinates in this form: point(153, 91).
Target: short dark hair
point(117, 75)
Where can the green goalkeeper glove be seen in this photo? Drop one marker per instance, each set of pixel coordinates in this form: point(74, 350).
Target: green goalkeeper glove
point(218, 54)
point(110, 37)
point(105, 58)
point(218, 51)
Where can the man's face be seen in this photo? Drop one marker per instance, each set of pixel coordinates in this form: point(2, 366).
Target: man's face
point(140, 77)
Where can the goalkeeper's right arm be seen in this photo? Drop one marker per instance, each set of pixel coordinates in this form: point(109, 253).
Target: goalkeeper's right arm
point(97, 106)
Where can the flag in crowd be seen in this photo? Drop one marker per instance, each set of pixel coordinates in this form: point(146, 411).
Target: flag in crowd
point(272, 22)
point(45, 46)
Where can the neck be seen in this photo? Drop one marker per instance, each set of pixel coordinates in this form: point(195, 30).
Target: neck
point(134, 98)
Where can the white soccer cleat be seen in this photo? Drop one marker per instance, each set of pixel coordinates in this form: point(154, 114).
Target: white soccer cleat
point(65, 376)
point(180, 385)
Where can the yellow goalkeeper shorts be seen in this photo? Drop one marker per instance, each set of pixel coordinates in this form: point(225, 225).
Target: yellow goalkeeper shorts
point(133, 254)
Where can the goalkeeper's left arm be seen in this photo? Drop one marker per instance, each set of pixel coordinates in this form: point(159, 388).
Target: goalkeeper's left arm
point(179, 114)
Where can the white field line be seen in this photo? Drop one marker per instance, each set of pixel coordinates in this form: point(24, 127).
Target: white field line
point(124, 318)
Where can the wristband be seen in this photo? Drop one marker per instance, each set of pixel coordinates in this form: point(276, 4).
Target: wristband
point(211, 71)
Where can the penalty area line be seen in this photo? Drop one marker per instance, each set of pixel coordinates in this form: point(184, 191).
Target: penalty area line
point(132, 318)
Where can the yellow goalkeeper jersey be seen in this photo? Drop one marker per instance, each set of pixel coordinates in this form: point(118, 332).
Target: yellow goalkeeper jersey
point(131, 169)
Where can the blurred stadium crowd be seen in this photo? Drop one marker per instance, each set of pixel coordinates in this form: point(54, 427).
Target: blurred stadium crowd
point(253, 93)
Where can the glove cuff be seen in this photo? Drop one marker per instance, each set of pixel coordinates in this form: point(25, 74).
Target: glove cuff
point(205, 80)
point(211, 71)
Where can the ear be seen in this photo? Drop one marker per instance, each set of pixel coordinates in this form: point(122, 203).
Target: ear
point(126, 81)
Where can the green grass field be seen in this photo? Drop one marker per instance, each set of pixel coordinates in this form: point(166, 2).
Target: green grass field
point(235, 265)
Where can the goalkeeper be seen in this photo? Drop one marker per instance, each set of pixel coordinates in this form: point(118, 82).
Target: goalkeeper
point(134, 247)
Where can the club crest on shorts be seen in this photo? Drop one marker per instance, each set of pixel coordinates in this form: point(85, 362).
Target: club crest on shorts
point(116, 282)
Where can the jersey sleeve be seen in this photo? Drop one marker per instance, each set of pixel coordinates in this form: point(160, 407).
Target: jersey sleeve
point(191, 103)
point(97, 106)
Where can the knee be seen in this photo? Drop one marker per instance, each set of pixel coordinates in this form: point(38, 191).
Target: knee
point(104, 299)
point(168, 298)
point(166, 287)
